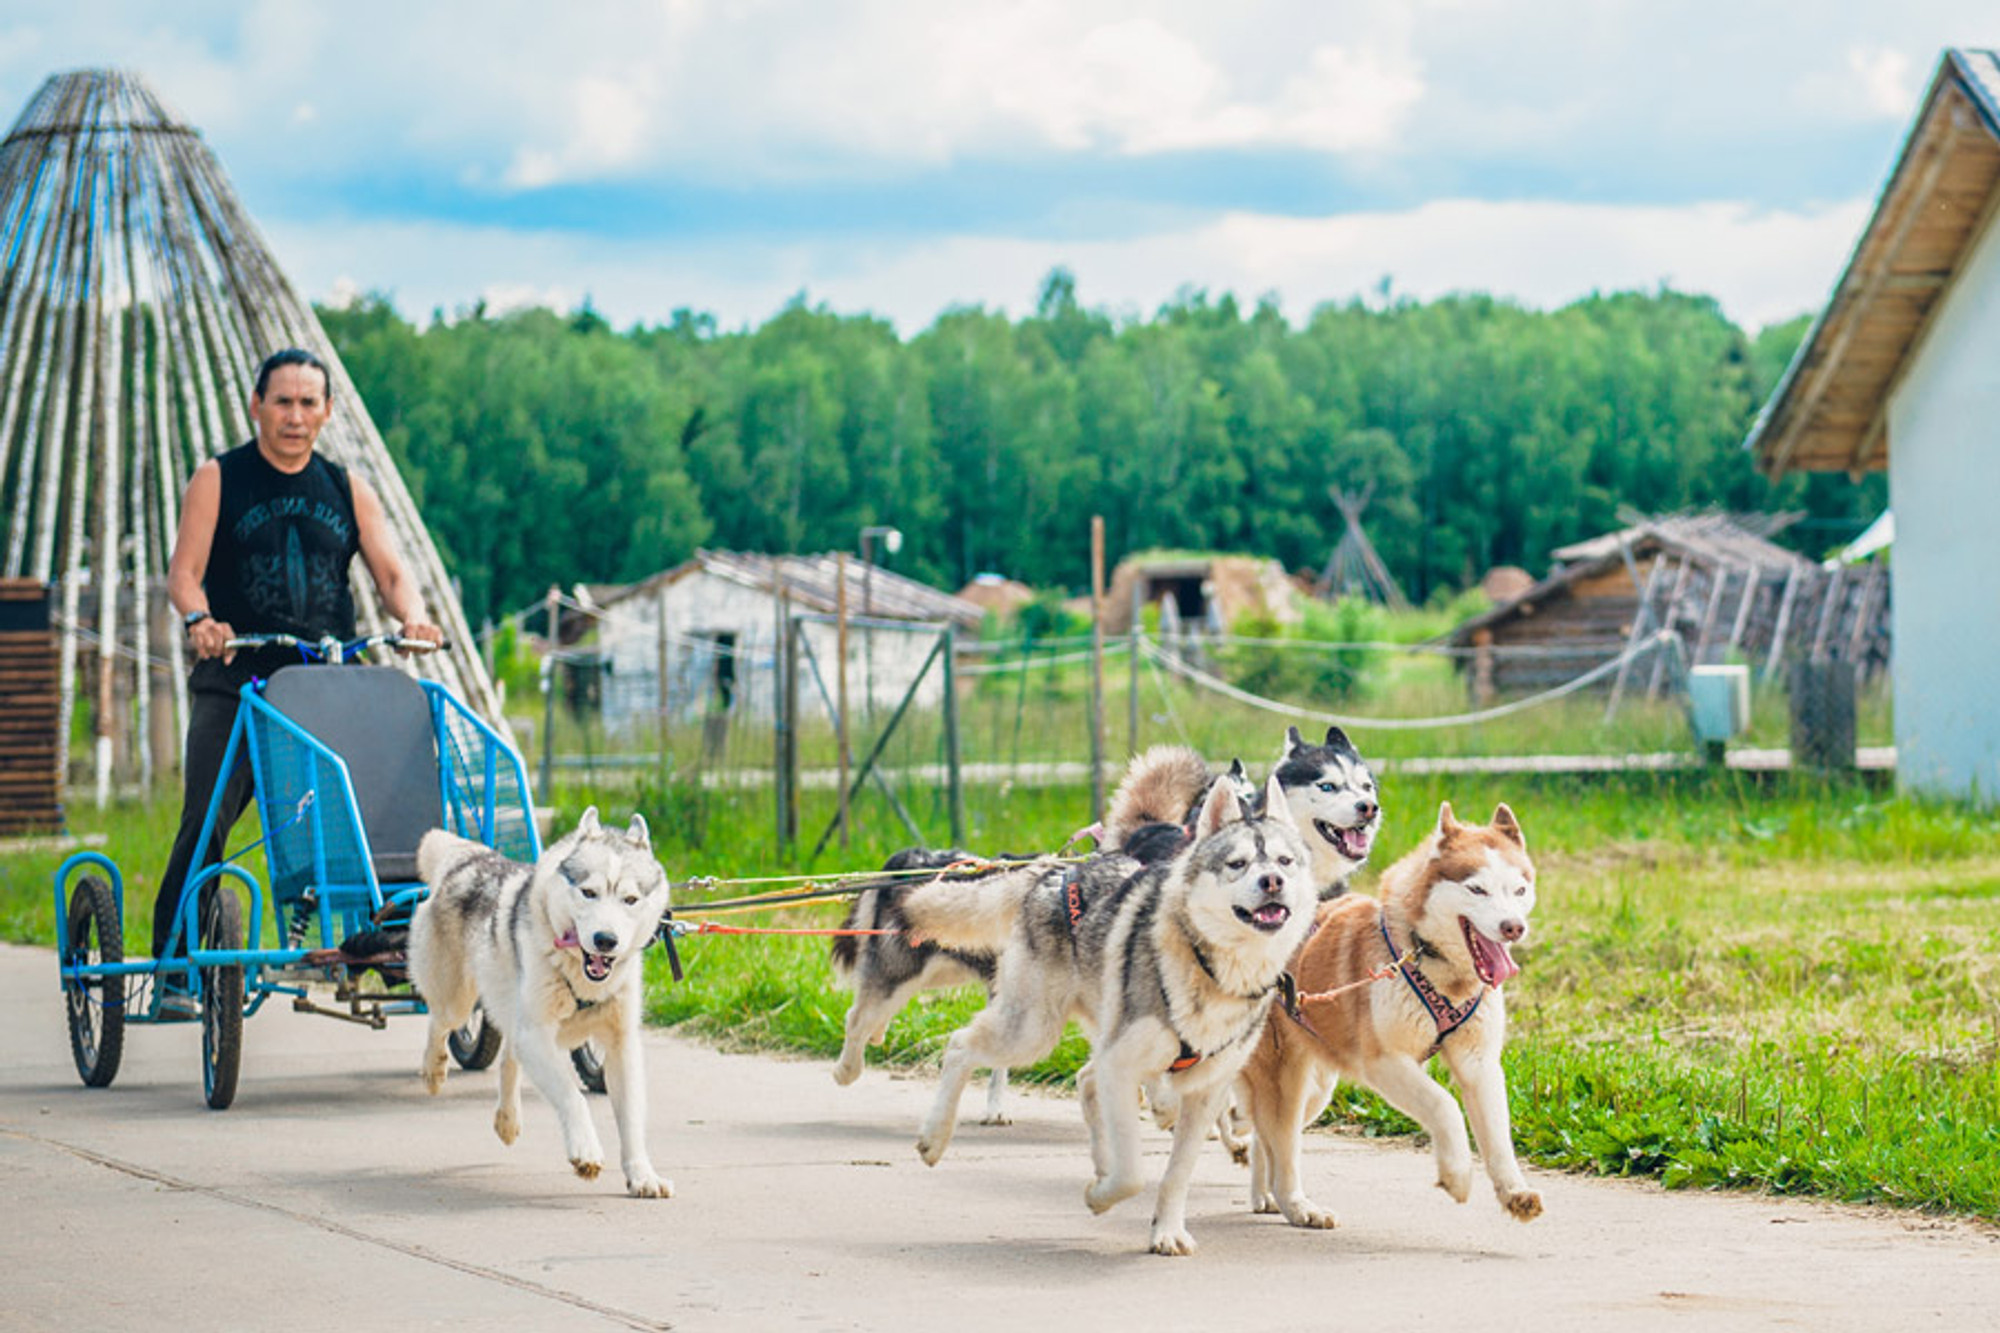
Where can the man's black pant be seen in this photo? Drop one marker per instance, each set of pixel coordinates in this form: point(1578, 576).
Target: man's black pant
point(211, 715)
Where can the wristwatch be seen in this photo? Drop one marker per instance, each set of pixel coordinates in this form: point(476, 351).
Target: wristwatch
point(193, 618)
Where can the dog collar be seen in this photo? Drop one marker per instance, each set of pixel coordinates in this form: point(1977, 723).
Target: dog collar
point(1449, 1017)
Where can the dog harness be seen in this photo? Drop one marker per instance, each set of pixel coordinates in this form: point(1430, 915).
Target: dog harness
point(1448, 1016)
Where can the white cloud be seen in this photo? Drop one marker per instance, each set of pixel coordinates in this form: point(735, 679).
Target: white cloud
point(1884, 77)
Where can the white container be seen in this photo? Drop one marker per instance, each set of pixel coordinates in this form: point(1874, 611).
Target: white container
point(1719, 702)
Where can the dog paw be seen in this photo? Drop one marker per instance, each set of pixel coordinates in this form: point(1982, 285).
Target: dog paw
point(644, 1183)
point(844, 1073)
point(1239, 1153)
point(586, 1167)
point(507, 1124)
point(433, 1076)
point(1104, 1193)
point(1456, 1181)
point(1172, 1240)
point(1263, 1204)
point(1523, 1205)
point(997, 1118)
point(930, 1150)
point(1305, 1213)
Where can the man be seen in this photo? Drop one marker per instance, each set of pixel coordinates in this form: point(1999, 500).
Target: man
point(267, 533)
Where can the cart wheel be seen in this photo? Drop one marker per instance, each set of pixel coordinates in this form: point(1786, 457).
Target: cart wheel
point(589, 1062)
point(96, 1007)
point(221, 998)
point(476, 1044)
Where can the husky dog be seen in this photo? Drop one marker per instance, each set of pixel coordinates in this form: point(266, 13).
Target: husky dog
point(1170, 968)
point(553, 952)
point(885, 971)
point(1332, 795)
point(1164, 786)
point(1328, 786)
point(1455, 906)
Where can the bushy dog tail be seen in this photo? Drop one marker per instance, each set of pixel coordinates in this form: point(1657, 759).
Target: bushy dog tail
point(1159, 787)
point(975, 911)
point(441, 852)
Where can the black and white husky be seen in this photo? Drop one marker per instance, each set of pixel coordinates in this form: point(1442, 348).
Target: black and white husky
point(885, 971)
point(553, 952)
point(1170, 969)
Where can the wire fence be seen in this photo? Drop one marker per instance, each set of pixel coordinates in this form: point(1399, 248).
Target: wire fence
point(701, 714)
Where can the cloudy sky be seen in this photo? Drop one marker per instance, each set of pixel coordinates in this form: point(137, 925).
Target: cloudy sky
point(902, 156)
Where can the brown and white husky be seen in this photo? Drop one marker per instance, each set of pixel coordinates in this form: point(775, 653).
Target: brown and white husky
point(1452, 910)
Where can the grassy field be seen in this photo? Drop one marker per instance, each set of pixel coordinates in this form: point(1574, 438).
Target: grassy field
point(1774, 984)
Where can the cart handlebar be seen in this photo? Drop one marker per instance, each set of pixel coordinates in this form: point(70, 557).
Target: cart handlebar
point(332, 649)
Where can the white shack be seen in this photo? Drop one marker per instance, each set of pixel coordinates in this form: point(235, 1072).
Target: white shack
point(1902, 371)
point(710, 628)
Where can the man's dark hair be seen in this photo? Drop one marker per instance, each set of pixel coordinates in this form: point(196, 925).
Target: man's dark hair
point(292, 356)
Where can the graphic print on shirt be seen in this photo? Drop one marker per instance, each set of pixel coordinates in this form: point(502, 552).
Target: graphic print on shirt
point(286, 579)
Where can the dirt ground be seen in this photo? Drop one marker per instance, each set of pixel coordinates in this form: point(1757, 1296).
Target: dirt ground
point(336, 1193)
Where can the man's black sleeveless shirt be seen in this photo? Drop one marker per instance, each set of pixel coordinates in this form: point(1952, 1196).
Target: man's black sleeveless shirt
point(280, 557)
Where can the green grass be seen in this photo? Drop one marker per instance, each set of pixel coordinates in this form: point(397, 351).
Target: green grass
point(1778, 984)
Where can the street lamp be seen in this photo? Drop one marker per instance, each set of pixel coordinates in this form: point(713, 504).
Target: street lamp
point(892, 542)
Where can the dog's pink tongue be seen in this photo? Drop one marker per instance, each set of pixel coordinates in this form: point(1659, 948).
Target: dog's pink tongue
point(1494, 963)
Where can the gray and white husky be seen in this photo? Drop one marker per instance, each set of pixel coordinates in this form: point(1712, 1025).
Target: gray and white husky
point(1170, 968)
point(553, 952)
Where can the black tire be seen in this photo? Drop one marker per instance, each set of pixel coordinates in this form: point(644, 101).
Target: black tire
point(589, 1062)
point(96, 1007)
point(477, 1044)
point(221, 998)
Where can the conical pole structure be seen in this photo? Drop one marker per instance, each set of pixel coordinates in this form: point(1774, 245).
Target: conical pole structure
point(137, 300)
point(1354, 562)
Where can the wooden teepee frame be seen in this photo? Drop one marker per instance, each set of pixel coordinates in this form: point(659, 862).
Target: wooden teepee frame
point(1354, 565)
point(137, 301)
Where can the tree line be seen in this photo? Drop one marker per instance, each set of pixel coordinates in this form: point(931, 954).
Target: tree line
point(545, 448)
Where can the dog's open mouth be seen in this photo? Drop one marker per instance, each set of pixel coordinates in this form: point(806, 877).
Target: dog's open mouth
point(596, 966)
point(1351, 843)
point(1490, 958)
point(1268, 918)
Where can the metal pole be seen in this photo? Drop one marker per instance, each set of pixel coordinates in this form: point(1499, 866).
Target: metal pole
point(1097, 666)
point(840, 713)
point(1132, 679)
point(553, 661)
point(955, 788)
point(661, 700)
point(781, 609)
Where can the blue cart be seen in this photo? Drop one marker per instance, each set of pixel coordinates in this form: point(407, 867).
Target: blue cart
point(353, 764)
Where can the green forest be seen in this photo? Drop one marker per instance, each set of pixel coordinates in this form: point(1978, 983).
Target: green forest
point(546, 448)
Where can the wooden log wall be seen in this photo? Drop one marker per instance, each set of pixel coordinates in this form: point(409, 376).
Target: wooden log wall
point(1765, 617)
point(30, 755)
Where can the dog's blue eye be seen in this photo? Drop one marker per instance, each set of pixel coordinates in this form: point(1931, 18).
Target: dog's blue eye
point(1326, 786)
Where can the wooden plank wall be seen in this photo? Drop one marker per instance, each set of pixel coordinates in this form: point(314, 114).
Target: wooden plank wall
point(30, 703)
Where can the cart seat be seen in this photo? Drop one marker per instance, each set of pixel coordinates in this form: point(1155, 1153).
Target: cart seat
point(378, 721)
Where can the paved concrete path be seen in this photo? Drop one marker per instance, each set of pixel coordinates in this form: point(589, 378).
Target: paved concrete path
point(335, 1194)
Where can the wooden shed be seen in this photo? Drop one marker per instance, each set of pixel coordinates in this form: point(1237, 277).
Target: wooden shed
point(1901, 372)
point(702, 637)
point(1716, 580)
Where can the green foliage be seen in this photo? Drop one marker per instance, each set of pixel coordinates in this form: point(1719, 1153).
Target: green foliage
point(1286, 667)
point(550, 450)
